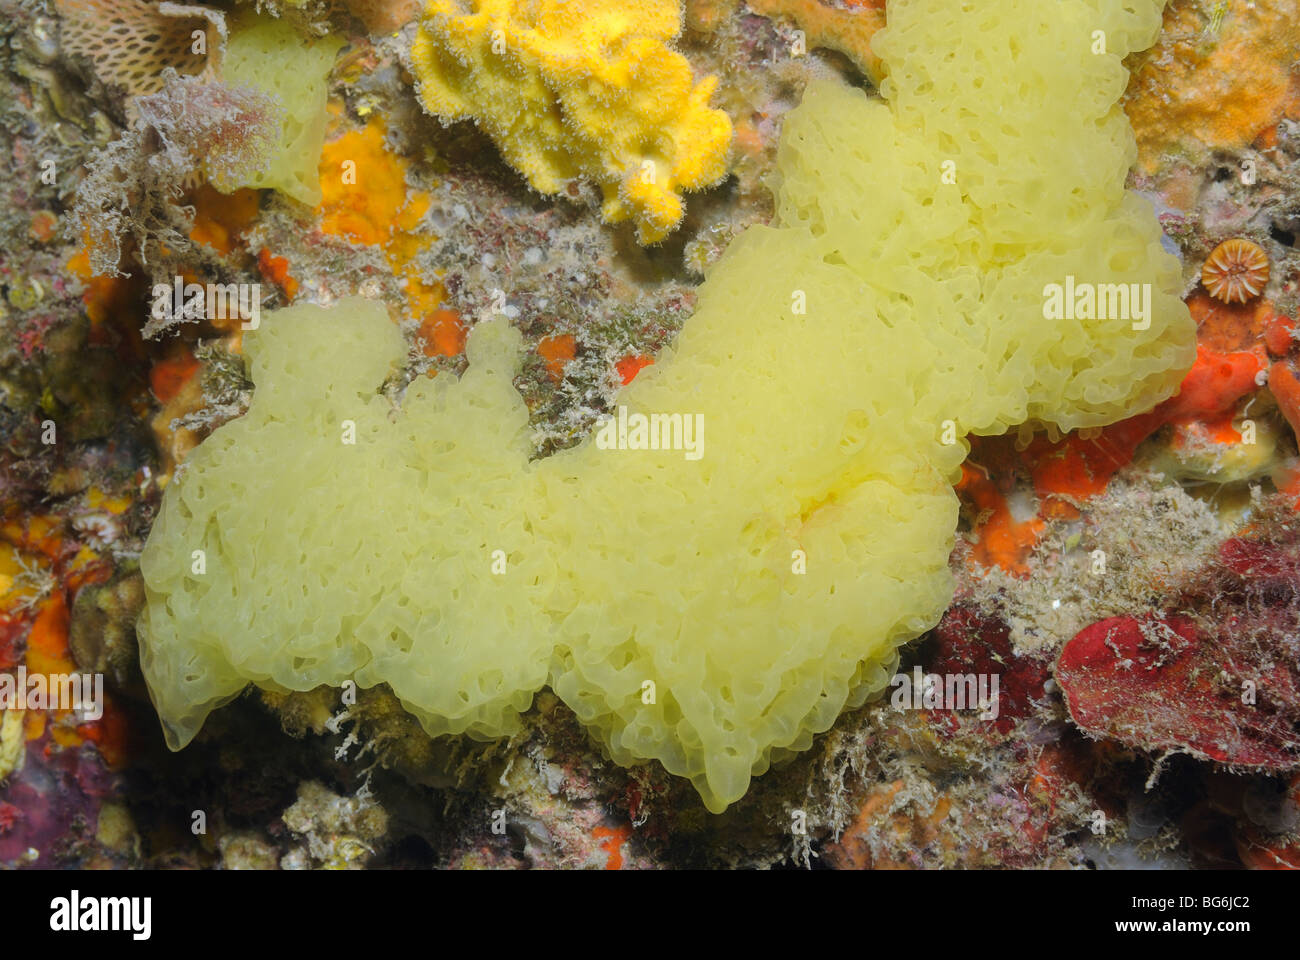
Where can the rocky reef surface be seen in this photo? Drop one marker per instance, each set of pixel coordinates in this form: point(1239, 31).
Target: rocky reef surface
point(1135, 588)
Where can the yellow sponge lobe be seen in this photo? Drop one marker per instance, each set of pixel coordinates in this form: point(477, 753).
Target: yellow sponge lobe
point(715, 602)
point(270, 55)
point(589, 91)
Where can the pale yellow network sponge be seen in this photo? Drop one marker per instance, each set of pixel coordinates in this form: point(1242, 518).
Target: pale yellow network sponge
point(270, 56)
point(579, 89)
point(323, 531)
point(716, 604)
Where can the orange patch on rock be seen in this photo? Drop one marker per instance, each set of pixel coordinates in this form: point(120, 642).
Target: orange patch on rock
point(1226, 328)
point(43, 226)
point(105, 297)
point(1196, 434)
point(220, 218)
point(423, 299)
point(443, 334)
point(47, 644)
point(1215, 382)
point(1079, 467)
point(848, 31)
point(557, 351)
point(170, 374)
point(613, 839)
point(1279, 336)
point(365, 200)
point(276, 269)
point(875, 831)
point(48, 654)
point(109, 734)
point(1284, 386)
point(365, 197)
point(33, 533)
point(629, 367)
point(175, 443)
point(1208, 396)
point(1198, 90)
point(1003, 540)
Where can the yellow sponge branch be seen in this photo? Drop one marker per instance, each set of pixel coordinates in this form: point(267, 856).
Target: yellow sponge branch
point(589, 91)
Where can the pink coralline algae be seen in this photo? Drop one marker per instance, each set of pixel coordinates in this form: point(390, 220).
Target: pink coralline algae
point(1219, 680)
point(54, 800)
point(9, 817)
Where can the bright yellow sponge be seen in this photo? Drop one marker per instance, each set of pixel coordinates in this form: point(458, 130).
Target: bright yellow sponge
point(714, 603)
point(579, 90)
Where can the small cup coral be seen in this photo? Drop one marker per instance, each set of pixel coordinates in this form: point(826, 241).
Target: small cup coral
point(1235, 271)
point(585, 91)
